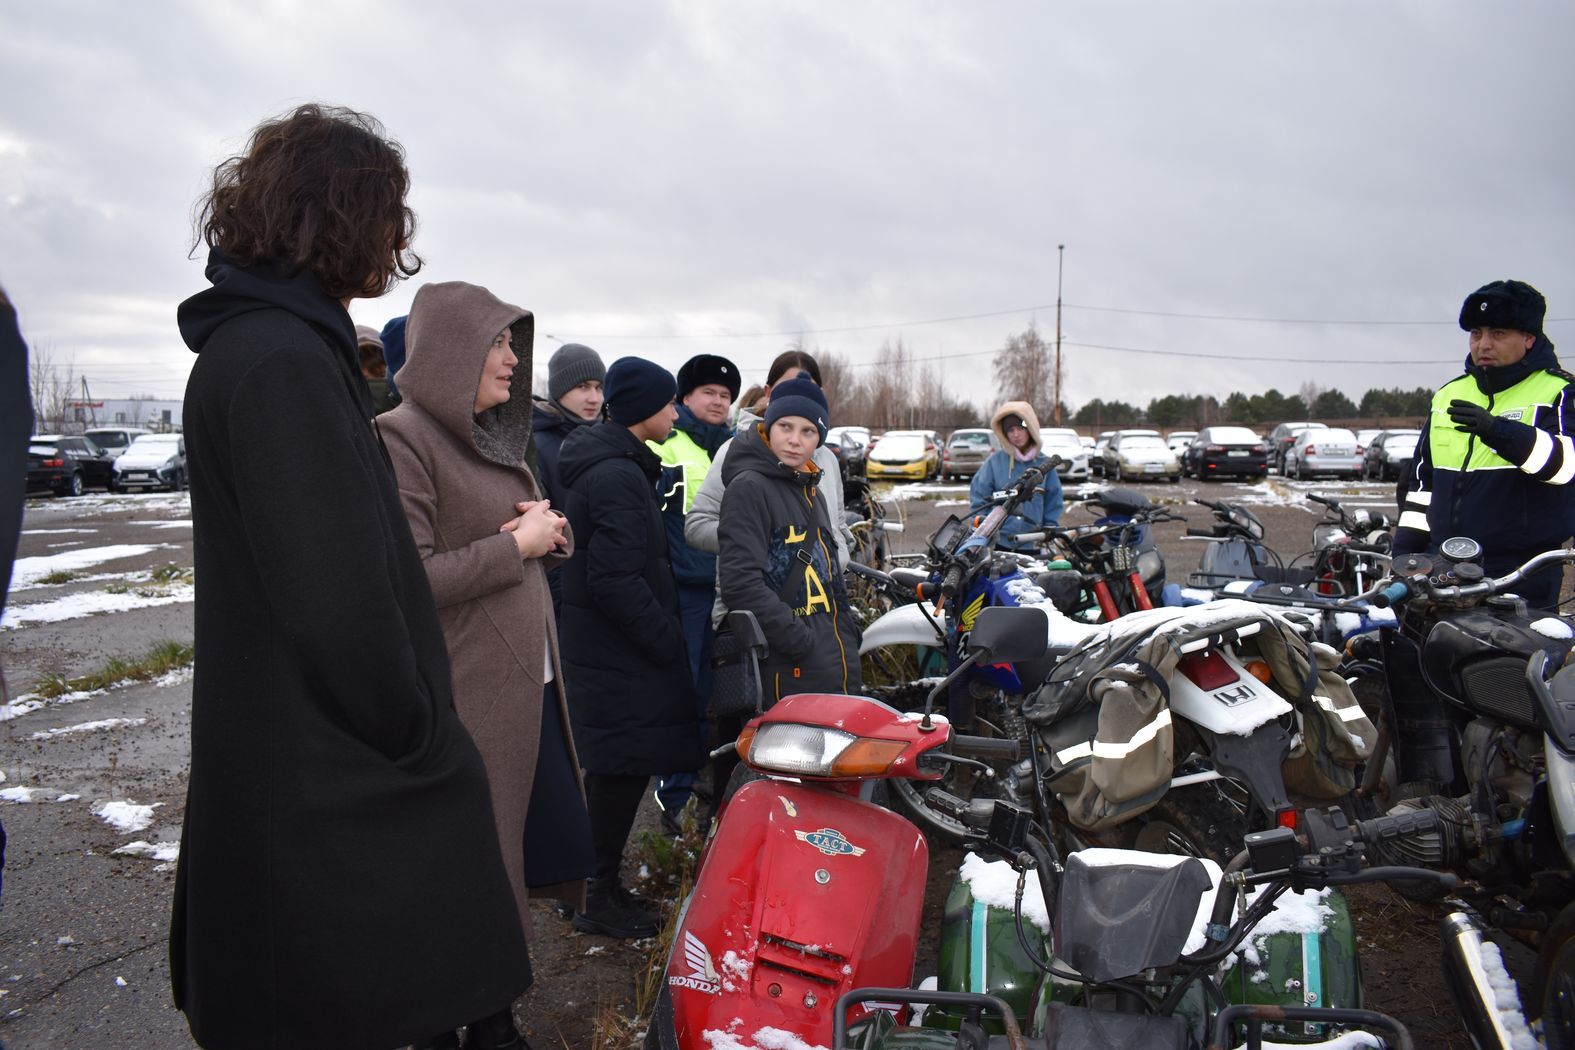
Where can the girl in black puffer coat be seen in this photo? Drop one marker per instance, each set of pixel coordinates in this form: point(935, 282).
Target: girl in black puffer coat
point(778, 558)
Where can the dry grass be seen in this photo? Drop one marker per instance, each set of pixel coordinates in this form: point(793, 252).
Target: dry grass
point(163, 658)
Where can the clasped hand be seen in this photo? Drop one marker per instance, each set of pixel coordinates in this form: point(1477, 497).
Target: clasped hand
point(538, 530)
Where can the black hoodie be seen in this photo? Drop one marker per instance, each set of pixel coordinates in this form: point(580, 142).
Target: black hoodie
point(325, 751)
point(778, 561)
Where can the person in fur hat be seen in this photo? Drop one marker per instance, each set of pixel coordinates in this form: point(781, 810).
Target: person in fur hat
point(1016, 427)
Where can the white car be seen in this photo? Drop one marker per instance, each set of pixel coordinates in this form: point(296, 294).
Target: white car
point(1135, 454)
point(1179, 440)
point(1064, 442)
point(1331, 450)
point(155, 460)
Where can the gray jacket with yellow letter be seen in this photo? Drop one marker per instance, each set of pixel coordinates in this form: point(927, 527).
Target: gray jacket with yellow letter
point(778, 560)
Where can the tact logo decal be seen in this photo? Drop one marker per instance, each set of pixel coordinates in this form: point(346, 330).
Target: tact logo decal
point(831, 842)
point(702, 975)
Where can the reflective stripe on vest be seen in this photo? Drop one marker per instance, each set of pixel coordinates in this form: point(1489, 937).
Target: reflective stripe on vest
point(680, 450)
point(1449, 447)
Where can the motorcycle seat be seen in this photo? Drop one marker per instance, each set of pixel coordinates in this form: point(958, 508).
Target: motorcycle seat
point(1121, 912)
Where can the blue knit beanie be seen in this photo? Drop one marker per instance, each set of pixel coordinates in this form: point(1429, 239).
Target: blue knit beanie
point(637, 389)
point(799, 396)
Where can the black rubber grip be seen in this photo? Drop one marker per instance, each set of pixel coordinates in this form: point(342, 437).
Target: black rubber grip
point(1201, 532)
point(1398, 826)
point(987, 747)
point(1314, 497)
point(952, 581)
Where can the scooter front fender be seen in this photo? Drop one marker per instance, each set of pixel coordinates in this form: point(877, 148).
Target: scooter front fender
point(803, 895)
point(904, 625)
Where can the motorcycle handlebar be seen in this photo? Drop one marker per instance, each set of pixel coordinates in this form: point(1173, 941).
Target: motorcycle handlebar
point(1397, 826)
point(952, 581)
point(1323, 501)
point(985, 747)
point(1209, 533)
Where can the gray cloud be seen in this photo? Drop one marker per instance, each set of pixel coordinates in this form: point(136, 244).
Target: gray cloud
point(683, 170)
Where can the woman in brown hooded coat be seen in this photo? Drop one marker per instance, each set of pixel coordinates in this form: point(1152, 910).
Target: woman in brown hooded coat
point(486, 537)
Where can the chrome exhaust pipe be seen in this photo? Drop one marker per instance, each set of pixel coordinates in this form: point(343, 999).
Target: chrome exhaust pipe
point(1484, 992)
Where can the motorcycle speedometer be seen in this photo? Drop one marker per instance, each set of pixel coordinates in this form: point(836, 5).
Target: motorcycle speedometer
point(1460, 548)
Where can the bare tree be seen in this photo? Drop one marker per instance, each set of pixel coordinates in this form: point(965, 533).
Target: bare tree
point(52, 385)
point(1309, 393)
point(1025, 370)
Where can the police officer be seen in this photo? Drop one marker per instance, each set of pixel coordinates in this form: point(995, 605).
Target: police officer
point(1497, 451)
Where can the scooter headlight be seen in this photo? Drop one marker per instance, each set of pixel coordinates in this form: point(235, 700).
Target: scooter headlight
point(815, 751)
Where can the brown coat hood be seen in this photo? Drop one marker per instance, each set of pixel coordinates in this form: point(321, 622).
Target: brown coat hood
point(1011, 408)
point(451, 328)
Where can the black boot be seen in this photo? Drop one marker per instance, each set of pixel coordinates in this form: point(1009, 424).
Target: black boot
point(610, 910)
point(495, 1032)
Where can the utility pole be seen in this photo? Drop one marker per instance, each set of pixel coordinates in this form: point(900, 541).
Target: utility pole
point(1060, 252)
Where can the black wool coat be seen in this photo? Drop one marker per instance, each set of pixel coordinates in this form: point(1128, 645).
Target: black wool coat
point(339, 882)
point(631, 697)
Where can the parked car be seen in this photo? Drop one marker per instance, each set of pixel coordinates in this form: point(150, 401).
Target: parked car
point(908, 454)
point(1064, 442)
point(1225, 450)
point(1097, 458)
point(114, 440)
point(855, 445)
point(1178, 440)
point(1364, 437)
point(155, 460)
point(1133, 454)
point(1389, 454)
point(1280, 439)
point(66, 464)
point(1323, 450)
point(966, 451)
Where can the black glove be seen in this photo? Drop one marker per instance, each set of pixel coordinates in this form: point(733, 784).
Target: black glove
point(1473, 419)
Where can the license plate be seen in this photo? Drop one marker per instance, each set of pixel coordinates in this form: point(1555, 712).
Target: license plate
point(1154, 468)
point(1237, 452)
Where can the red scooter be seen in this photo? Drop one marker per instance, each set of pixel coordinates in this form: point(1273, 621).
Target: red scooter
point(807, 888)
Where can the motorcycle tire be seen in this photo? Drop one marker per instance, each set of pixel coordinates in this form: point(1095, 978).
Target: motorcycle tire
point(1205, 820)
point(1553, 997)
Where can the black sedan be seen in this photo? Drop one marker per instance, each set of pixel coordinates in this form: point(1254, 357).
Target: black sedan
point(67, 464)
point(1219, 451)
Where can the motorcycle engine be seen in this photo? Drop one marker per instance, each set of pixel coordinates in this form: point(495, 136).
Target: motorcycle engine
point(1513, 768)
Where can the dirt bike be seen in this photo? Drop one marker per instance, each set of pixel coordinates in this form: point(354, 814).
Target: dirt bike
point(807, 888)
point(962, 574)
point(1476, 716)
point(1136, 957)
point(1113, 566)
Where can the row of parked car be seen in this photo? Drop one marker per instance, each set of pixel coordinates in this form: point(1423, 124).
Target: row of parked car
point(112, 458)
point(1296, 449)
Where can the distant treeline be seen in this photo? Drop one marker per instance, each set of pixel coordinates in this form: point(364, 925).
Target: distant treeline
point(1271, 406)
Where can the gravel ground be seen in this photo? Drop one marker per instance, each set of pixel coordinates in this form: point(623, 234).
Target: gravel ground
point(82, 923)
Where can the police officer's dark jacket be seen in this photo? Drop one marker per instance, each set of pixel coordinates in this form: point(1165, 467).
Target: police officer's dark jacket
point(1510, 491)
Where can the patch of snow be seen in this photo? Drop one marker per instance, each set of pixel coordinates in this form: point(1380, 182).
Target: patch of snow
point(88, 727)
point(920, 491)
point(1553, 627)
point(159, 851)
point(28, 571)
point(176, 523)
point(127, 816)
point(993, 882)
point(90, 603)
point(120, 982)
point(53, 532)
point(16, 794)
point(1298, 913)
point(1343, 1041)
point(762, 1039)
point(68, 798)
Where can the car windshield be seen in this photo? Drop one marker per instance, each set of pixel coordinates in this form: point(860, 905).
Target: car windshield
point(1059, 438)
point(1141, 441)
point(1401, 444)
point(165, 443)
point(1333, 436)
point(971, 439)
point(1233, 436)
point(899, 446)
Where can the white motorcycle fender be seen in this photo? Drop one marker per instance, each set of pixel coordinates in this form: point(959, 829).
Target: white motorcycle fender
point(1235, 709)
point(904, 625)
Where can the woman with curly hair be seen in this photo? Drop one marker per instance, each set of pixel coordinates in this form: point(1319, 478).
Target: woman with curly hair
point(339, 882)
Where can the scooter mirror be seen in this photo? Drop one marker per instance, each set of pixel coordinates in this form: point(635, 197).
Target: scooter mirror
point(746, 629)
point(1007, 634)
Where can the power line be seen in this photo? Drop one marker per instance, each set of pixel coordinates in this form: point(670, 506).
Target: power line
point(1023, 310)
point(1173, 353)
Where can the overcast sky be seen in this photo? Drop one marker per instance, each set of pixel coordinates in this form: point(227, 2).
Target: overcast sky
point(725, 176)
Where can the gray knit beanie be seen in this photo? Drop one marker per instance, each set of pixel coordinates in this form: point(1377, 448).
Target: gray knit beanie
point(569, 366)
